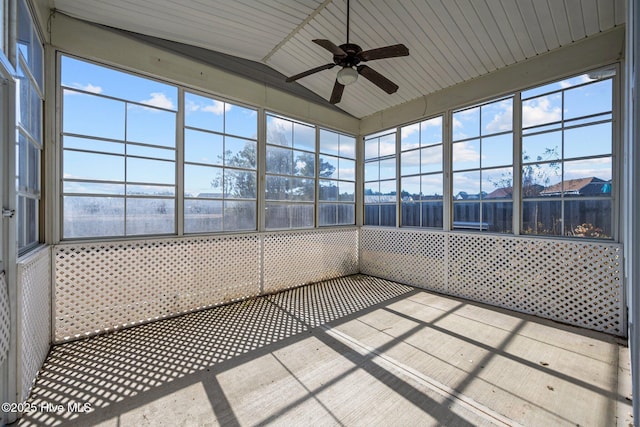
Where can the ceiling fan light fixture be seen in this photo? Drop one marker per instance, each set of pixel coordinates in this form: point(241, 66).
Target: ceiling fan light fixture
point(349, 56)
point(347, 76)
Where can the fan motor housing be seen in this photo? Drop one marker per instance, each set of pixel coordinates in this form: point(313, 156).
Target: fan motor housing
point(352, 59)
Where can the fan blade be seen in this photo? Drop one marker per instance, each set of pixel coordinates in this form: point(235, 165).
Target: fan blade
point(336, 93)
point(384, 52)
point(377, 79)
point(309, 72)
point(335, 50)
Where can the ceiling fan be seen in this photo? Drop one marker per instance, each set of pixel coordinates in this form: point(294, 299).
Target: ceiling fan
point(349, 56)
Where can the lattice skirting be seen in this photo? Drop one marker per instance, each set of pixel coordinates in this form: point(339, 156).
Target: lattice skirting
point(578, 283)
point(34, 301)
point(5, 319)
point(294, 259)
point(106, 286)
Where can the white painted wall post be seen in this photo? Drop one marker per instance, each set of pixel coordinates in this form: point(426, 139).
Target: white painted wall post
point(631, 198)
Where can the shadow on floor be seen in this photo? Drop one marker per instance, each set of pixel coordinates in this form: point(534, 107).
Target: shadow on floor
point(147, 366)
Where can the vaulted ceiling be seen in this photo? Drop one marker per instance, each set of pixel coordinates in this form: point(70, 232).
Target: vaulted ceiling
point(450, 41)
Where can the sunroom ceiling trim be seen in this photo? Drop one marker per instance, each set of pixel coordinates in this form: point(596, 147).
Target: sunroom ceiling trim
point(449, 42)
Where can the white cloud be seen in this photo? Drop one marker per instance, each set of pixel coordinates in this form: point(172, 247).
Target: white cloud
point(347, 173)
point(435, 122)
point(410, 130)
point(192, 107)
point(280, 125)
point(467, 182)
point(600, 168)
point(216, 107)
point(279, 131)
point(432, 160)
point(458, 127)
point(539, 111)
point(330, 147)
point(468, 113)
point(387, 148)
point(87, 88)
point(464, 152)
point(411, 158)
point(575, 81)
point(433, 181)
point(160, 100)
point(503, 120)
point(408, 136)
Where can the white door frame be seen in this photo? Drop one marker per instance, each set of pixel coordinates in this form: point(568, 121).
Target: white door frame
point(8, 248)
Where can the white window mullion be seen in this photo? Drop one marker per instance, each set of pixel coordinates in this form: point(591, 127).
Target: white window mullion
point(261, 184)
point(447, 196)
point(179, 181)
point(516, 194)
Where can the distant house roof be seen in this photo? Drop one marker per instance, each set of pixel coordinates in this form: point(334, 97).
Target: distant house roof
point(531, 190)
point(500, 193)
point(463, 195)
point(579, 187)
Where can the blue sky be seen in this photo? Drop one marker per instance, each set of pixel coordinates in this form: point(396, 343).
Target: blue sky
point(483, 137)
point(483, 134)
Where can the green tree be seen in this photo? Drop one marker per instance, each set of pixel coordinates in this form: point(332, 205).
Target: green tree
point(295, 169)
point(239, 184)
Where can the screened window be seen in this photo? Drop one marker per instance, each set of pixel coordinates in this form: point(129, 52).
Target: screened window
point(30, 92)
point(220, 160)
point(119, 152)
point(421, 174)
point(290, 173)
point(567, 149)
point(337, 176)
point(482, 165)
point(380, 187)
point(120, 170)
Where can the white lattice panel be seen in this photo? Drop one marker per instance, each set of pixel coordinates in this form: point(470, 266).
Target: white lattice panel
point(574, 282)
point(298, 258)
point(34, 286)
point(5, 319)
point(415, 258)
point(104, 286)
point(579, 283)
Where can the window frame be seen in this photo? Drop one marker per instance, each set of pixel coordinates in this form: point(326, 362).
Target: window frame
point(180, 161)
point(574, 123)
point(28, 188)
point(483, 201)
point(183, 127)
point(420, 149)
point(353, 182)
point(289, 178)
point(517, 163)
point(391, 182)
point(125, 196)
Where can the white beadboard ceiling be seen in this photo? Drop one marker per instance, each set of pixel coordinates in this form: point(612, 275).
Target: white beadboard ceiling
point(450, 41)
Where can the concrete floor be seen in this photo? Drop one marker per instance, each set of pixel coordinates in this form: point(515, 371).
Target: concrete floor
point(351, 351)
